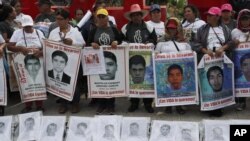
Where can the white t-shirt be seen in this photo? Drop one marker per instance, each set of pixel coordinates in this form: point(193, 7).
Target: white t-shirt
point(167, 47)
point(159, 28)
point(112, 19)
point(33, 39)
point(73, 34)
point(1, 39)
point(212, 40)
point(193, 26)
point(239, 35)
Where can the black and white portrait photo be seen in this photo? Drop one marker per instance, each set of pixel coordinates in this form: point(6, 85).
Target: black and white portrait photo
point(59, 62)
point(135, 129)
point(80, 129)
point(52, 128)
point(5, 128)
point(216, 130)
point(107, 128)
point(162, 131)
point(187, 131)
point(29, 125)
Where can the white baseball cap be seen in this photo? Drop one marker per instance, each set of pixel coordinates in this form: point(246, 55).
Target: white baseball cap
point(27, 21)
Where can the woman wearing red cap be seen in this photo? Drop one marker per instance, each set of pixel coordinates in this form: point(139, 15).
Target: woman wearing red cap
point(213, 38)
point(173, 41)
point(227, 16)
point(242, 34)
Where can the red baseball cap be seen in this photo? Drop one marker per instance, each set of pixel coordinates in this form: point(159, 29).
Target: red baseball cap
point(214, 11)
point(226, 7)
point(171, 24)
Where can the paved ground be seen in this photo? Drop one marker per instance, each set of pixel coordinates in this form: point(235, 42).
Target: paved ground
point(193, 113)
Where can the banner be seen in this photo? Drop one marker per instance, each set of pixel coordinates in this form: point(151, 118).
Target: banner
point(12, 77)
point(61, 65)
point(242, 70)
point(216, 79)
point(111, 84)
point(140, 74)
point(3, 84)
point(30, 74)
point(93, 61)
point(175, 79)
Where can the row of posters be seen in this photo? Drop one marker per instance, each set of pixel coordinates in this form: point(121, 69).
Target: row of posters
point(134, 70)
point(35, 126)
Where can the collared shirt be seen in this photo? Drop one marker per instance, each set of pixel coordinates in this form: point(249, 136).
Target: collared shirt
point(56, 73)
point(73, 34)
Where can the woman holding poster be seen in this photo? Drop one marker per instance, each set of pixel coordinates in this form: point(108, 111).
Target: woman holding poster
point(171, 43)
point(105, 34)
point(28, 41)
point(213, 39)
point(242, 34)
point(70, 36)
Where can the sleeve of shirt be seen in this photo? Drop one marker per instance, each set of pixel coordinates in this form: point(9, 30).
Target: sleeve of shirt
point(78, 40)
point(158, 47)
point(14, 37)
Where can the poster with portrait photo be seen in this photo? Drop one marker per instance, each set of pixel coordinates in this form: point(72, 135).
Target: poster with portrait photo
point(61, 68)
point(30, 77)
point(140, 74)
point(163, 130)
point(242, 69)
point(216, 79)
point(93, 61)
point(111, 84)
point(80, 129)
point(3, 84)
point(175, 79)
point(12, 77)
point(187, 131)
point(135, 128)
point(107, 128)
point(5, 128)
point(216, 130)
point(52, 128)
point(29, 126)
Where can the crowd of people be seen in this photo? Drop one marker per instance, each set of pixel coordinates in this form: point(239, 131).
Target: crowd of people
point(218, 34)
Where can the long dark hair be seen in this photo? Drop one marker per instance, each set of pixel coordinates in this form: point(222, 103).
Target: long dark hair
point(6, 10)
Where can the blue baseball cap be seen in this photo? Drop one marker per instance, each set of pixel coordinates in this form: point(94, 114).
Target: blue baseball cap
point(155, 7)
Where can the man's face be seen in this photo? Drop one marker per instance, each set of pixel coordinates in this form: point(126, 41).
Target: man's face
point(29, 124)
point(226, 14)
point(61, 21)
point(165, 130)
point(82, 129)
point(245, 68)
point(156, 16)
point(217, 132)
point(136, 17)
point(33, 66)
point(51, 130)
point(111, 68)
point(79, 15)
point(216, 80)
point(137, 72)
point(175, 78)
point(58, 64)
point(134, 129)
point(186, 134)
point(109, 131)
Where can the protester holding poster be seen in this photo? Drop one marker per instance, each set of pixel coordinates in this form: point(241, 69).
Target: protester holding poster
point(3, 87)
point(170, 44)
point(213, 39)
point(105, 34)
point(28, 41)
point(242, 34)
point(138, 31)
point(70, 36)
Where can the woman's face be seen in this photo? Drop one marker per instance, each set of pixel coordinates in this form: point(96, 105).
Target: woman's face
point(61, 21)
point(212, 19)
point(12, 15)
point(18, 8)
point(189, 14)
point(102, 20)
point(245, 22)
point(171, 31)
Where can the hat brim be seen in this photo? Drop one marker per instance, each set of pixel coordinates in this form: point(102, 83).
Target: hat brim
point(24, 25)
point(144, 14)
